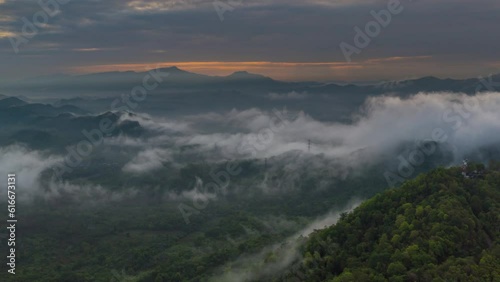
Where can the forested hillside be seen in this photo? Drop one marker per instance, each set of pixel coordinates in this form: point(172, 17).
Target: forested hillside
point(441, 226)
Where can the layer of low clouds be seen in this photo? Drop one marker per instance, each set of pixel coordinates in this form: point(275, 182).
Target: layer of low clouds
point(379, 129)
point(468, 123)
point(147, 160)
point(27, 165)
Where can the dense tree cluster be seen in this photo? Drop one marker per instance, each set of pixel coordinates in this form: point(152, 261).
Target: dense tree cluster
point(145, 237)
point(440, 226)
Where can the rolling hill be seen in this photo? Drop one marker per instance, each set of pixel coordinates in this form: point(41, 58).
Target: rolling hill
point(440, 226)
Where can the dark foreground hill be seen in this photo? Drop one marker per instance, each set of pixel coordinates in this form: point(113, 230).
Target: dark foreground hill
point(438, 227)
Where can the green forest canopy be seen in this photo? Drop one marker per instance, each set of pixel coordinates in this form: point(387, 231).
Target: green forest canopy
point(440, 226)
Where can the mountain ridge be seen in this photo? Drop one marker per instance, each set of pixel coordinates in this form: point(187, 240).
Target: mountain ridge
point(431, 82)
point(440, 226)
point(175, 79)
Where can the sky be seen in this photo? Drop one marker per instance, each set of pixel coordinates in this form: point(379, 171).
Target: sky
point(285, 39)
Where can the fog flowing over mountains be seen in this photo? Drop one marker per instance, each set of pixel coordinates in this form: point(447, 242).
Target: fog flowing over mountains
point(215, 174)
point(254, 117)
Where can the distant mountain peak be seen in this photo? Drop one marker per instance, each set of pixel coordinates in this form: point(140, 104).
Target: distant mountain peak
point(173, 69)
point(11, 102)
point(247, 75)
point(428, 78)
point(240, 72)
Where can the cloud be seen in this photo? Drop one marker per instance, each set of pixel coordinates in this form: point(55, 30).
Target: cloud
point(27, 165)
point(147, 160)
point(6, 34)
point(153, 6)
point(157, 125)
point(256, 31)
point(379, 129)
point(197, 193)
point(30, 167)
point(85, 195)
